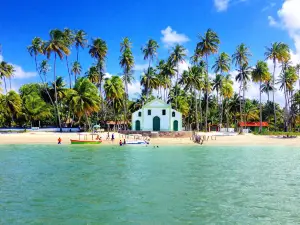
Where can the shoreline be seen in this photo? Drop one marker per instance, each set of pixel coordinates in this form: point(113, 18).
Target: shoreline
point(237, 140)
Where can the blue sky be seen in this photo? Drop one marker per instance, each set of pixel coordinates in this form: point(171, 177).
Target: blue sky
point(254, 22)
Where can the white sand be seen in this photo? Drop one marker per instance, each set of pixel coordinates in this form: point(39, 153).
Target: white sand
point(239, 140)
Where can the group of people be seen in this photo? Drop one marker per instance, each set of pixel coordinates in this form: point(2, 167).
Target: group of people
point(59, 140)
point(122, 143)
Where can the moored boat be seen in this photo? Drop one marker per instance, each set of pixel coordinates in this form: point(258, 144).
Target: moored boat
point(85, 140)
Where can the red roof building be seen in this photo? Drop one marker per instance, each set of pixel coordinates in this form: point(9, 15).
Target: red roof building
point(253, 124)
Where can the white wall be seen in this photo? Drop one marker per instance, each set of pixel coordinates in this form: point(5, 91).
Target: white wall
point(166, 121)
point(148, 120)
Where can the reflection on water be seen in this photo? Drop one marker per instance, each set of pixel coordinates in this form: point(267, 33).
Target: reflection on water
point(139, 185)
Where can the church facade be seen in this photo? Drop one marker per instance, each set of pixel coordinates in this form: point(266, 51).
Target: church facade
point(157, 116)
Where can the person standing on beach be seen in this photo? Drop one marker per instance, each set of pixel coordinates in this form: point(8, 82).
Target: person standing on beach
point(59, 141)
point(113, 137)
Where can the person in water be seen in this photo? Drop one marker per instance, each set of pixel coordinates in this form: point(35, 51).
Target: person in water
point(124, 142)
point(121, 143)
point(59, 141)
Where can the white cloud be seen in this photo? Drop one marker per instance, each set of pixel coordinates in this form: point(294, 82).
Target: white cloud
point(20, 73)
point(272, 21)
point(252, 89)
point(271, 5)
point(184, 65)
point(171, 37)
point(134, 88)
point(289, 17)
point(107, 75)
point(221, 5)
point(140, 67)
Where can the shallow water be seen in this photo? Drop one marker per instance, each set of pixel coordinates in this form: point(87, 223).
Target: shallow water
point(138, 185)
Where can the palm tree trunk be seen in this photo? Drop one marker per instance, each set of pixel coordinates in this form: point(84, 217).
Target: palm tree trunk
point(206, 84)
point(241, 112)
point(125, 102)
point(87, 120)
point(221, 113)
point(196, 110)
point(260, 108)
point(9, 83)
point(55, 91)
point(5, 84)
point(200, 107)
point(70, 79)
point(176, 86)
point(243, 103)
point(77, 55)
point(274, 107)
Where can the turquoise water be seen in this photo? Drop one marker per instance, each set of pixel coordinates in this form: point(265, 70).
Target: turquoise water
point(138, 185)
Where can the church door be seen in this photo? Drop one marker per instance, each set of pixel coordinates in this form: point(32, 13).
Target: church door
point(175, 125)
point(137, 125)
point(156, 123)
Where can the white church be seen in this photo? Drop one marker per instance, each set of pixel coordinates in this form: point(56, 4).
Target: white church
point(157, 116)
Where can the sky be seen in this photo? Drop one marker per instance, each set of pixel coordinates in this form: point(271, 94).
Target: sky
point(257, 23)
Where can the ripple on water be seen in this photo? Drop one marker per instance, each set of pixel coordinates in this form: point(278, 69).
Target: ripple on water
point(135, 185)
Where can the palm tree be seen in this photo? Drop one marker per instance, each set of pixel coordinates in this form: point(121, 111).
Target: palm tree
point(192, 80)
point(234, 105)
point(56, 45)
point(221, 65)
point(278, 52)
point(98, 50)
point(266, 87)
point(149, 81)
point(43, 70)
point(83, 100)
point(260, 74)
point(227, 92)
point(251, 112)
point(93, 75)
point(114, 91)
point(209, 44)
point(35, 108)
point(241, 60)
point(76, 69)
point(127, 63)
point(69, 40)
point(287, 79)
point(297, 67)
point(10, 70)
point(176, 57)
point(80, 41)
point(166, 72)
point(150, 51)
point(35, 49)
point(12, 103)
point(3, 73)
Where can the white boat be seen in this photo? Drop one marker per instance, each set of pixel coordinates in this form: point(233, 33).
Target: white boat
point(137, 143)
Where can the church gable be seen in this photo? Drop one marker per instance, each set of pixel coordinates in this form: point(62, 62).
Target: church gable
point(157, 103)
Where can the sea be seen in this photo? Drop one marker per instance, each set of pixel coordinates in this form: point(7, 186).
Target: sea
point(66, 184)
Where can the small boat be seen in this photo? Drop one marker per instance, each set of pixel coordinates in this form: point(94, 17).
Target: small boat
point(76, 142)
point(85, 140)
point(137, 143)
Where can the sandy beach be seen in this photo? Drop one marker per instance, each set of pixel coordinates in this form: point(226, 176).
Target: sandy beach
point(239, 140)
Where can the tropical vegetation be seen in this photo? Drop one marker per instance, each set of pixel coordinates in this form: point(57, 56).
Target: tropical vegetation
point(211, 91)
